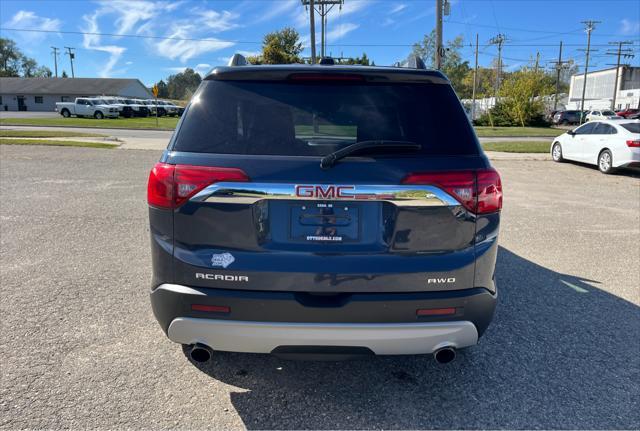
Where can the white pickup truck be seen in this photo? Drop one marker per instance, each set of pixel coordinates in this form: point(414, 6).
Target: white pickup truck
point(86, 107)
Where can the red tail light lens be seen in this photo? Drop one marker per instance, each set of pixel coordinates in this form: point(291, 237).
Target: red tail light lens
point(459, 184)
point(633, 144)
point(172, 185)
point(489, 191)
point(478, 191)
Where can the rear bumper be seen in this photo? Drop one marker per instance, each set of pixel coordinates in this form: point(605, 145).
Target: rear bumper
point(265, 337)
point(259, 322)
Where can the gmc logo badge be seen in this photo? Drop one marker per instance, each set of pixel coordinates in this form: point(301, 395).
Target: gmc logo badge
point(325, 192)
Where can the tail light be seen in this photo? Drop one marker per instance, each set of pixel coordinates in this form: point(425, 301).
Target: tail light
point(633, 143)
point(478, 191)
point(172, 185)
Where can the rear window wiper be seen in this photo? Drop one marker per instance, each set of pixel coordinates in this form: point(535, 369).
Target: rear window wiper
point(330, 159)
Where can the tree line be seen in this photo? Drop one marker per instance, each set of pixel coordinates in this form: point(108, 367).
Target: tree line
point(13, 63)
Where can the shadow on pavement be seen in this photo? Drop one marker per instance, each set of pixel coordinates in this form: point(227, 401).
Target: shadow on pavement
point(560, 353)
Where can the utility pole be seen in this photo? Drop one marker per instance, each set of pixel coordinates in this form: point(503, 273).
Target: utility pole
point(71, 55)
point(559, 65)
point(627, 54)
point(322, 8)
point(55, 58)
point(475, 83)
point(589, 27)
point(499, 40)
point(537, 61)
point(439, 49)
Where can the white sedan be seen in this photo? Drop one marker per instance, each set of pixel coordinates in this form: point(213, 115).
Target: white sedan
point(604, 114)
point(609, 144)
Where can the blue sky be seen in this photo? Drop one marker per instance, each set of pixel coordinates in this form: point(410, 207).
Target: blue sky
point(385, 30)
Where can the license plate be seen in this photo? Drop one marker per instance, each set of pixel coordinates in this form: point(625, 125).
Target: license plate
point(327, 222)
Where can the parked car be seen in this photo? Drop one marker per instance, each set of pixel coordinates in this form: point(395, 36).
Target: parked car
point(626, 113)
point(566, 117)
point(604, 114)
point(138, 107)
point(171, 108)
point(609, 144)
point(86, 107)
point(124, 110)
point(334, 216)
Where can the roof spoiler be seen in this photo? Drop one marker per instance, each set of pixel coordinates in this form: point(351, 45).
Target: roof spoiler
point(237, 60)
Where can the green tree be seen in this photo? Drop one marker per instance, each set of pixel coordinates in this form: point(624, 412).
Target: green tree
point(520, 95)
point(64, 74)
point(163, 89)
point(279, 47)
point(452, 64)
point(10, 57)
point(43, 72)
point(182, 85)
point(28, 67)
point(364, 60)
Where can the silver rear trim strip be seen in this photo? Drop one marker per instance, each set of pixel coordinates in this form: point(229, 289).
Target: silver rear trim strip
point(249, 193)
point(381, 338)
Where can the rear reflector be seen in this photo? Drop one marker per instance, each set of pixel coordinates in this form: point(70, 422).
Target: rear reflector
point(172, 185)
point(478, 191)
point(436, 311)
point(633, 144)
point(211, 308)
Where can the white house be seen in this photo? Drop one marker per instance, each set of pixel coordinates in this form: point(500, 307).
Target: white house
point(41, 94)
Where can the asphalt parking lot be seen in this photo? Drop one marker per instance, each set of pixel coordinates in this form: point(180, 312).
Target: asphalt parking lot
point(81, 349)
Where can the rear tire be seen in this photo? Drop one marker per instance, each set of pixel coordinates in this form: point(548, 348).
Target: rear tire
point(98, 115)
point(556, 152)
point(605, 162)
point(65, 113)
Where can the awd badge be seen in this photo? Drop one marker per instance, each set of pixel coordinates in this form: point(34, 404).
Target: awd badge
point(222, 260)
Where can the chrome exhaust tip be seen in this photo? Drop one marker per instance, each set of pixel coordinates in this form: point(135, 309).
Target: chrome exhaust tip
point(444, 355)
point(200, 353)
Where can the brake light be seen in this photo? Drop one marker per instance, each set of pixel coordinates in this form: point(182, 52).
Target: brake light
point(436, 311)
point(211, 308)
point(459, 184)
point(633, 143)
point(172, 185)
point(478, 191)
point(325, 77)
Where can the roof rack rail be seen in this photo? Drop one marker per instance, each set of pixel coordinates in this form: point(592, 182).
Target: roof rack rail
point(237, 60)
point(412, 62)
point(327, 61)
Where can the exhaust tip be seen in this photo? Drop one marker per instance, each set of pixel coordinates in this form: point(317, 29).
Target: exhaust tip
point(200, 353)
point(445, 355)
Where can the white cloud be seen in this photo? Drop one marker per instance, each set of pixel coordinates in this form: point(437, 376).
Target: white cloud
point(28, 19)
point(92, 41)
point(187, 49)
point(353, 6)
point(630, 27)
point(277, 9)
point(216, 21)
point(202, 68)
point(398, 8)
point(340, 31)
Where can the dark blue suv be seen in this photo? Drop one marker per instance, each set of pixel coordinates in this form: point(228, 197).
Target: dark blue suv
point(324, 211)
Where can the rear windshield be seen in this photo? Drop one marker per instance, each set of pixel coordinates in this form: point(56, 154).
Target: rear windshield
point(632, 127)
point(315, 119)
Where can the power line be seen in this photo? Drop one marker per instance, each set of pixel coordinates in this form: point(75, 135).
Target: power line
point(141, 36)
point(627, 54)
point(590, 26)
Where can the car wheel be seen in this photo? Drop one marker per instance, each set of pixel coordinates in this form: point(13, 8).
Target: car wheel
point(605, 162)
point(556, 152)
point(564, 122)
point(65, 113)
point(98, 115)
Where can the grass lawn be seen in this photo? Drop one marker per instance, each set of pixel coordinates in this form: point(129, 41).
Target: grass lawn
point(19, 141)
point(486, 131)
point(518, 146)
point(168, 123)
point(46, 134)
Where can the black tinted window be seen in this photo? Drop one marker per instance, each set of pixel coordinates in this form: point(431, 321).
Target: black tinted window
point(586, 129)
point(307, 119)
point(632, 127)
point(603, 129)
